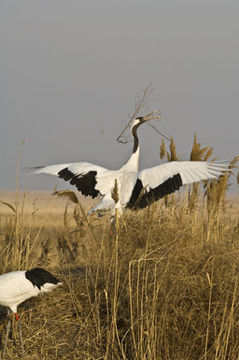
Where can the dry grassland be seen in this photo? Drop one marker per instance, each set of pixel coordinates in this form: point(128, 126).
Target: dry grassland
point(163, 286)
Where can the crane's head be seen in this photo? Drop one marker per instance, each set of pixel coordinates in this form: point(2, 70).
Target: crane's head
point(138, 121)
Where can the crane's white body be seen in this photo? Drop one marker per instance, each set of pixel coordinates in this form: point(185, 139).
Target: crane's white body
point(155, 182)
point(16, 288)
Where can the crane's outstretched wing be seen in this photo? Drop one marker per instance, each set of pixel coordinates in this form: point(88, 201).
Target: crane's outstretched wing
point(89, 179)
point(156, 182)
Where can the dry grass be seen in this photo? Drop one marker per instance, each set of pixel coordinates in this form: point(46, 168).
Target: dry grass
point(164, 285)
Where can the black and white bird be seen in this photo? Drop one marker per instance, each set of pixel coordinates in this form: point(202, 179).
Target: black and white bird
point(18, 286)
point(136, 189)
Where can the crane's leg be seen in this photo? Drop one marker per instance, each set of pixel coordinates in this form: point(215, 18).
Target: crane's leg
point(19, 324)
point(6, 338)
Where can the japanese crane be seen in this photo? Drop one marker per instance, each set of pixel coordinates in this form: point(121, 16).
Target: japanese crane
point(136, 189)
point(18, 286)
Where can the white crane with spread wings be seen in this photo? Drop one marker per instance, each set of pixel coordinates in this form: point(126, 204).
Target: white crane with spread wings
point(136, 188)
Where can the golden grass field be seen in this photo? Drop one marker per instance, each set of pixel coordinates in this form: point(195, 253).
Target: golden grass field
point(164, 285)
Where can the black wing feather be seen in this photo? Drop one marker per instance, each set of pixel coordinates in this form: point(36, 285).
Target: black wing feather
point(141, 197)
point(85, 183)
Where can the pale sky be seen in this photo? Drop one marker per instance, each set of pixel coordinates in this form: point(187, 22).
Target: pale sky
point(70, 71)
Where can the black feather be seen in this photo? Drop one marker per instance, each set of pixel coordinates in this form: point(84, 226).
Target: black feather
point(85, 183)
point(141, 197)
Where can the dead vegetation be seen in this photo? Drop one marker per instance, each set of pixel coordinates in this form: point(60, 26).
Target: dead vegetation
point(162, 285)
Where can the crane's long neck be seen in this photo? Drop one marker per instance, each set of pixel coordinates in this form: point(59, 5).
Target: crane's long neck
point(136, 139)
point(133, 162)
